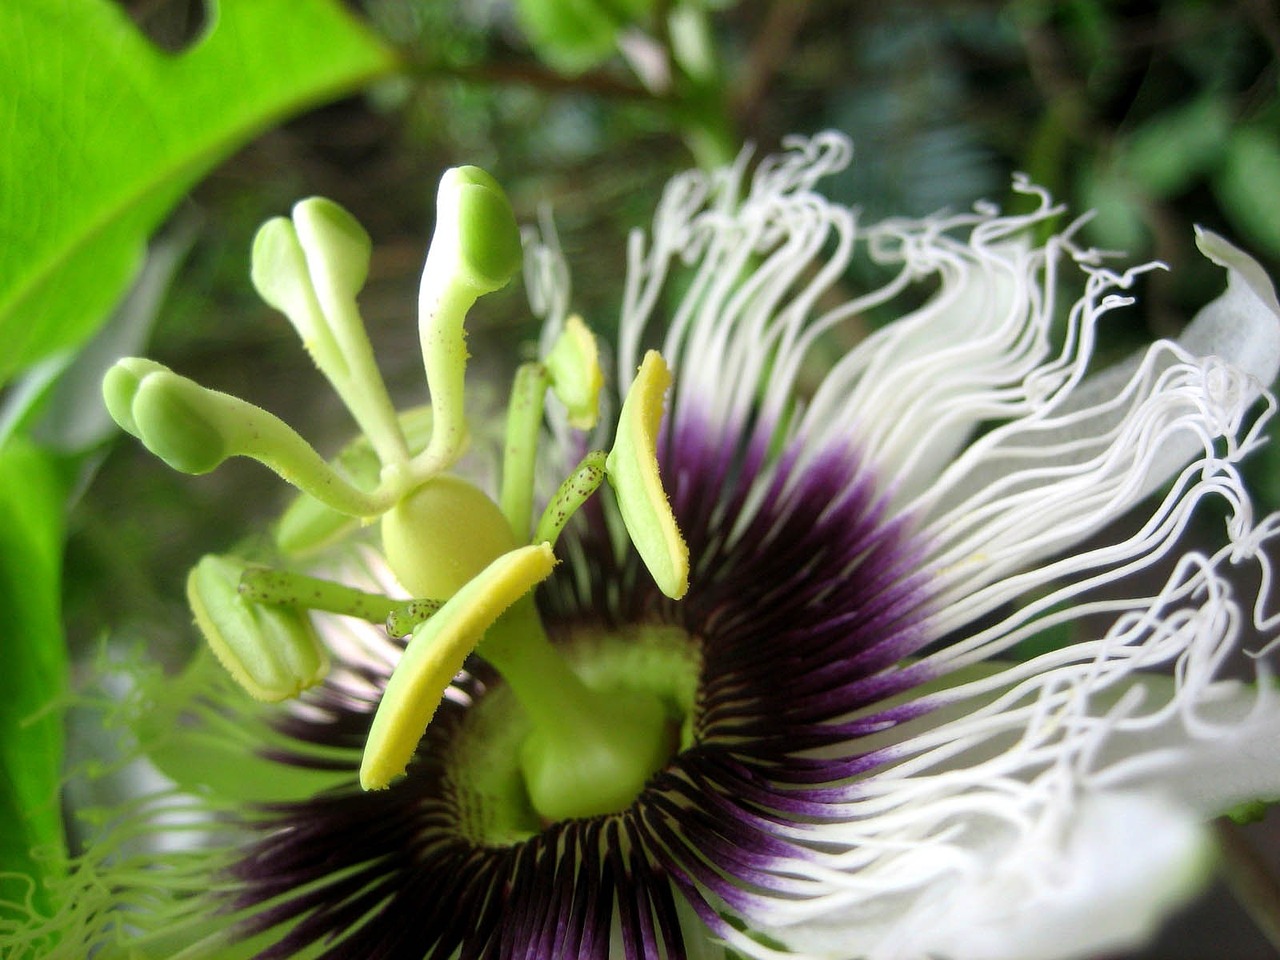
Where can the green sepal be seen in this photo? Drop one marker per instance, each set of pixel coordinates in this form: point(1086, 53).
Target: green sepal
point(219, 748)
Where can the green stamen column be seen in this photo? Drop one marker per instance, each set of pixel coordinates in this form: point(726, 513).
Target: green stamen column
point(590, 752)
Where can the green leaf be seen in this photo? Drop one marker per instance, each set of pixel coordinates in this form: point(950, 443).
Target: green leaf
point(1166, 154)
point(1117, 222)
point(103, 133)
point(572, 36)
point(1249, 186)
point(34, 669)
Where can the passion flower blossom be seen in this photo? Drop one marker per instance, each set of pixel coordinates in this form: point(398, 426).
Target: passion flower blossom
point(867, 756)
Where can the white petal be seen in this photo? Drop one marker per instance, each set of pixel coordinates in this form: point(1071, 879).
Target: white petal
point(1098, 876)
point(1227, 756)
point(1016, 790)
point(1242, 326)
point(1122, 864)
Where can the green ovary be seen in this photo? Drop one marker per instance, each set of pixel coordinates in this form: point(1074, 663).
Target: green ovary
point(443, 534)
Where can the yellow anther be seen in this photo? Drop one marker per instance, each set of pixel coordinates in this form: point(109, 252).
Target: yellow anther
point(435, 654)
point(632, 468)
point(576, 377)
point(272, 652)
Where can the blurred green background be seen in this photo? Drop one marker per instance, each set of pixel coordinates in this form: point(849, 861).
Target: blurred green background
point(1156, 115)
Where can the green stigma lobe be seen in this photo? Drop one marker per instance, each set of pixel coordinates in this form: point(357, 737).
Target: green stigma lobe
point(174, 424)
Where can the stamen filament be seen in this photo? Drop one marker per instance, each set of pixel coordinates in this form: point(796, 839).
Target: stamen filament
point(573, 493)
point(289, 589)
point(408, 614)
point(519, 457)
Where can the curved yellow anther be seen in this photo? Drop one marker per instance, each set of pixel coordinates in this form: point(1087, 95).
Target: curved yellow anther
point(271, 651)
point(632, 469)
point(576, 377)
point(435, 654)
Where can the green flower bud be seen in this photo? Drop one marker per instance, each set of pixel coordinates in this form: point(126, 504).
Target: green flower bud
point(272, 652)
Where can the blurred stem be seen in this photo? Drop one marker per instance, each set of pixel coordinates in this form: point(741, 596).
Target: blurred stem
point(1254, 885)
point(531, 74)
point(696, 101)
point(703, 109)
point(770, 51)
point(1067, 117)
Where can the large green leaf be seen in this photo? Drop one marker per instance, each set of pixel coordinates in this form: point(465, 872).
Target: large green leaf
point(1167, 153)
point(33, 673)
point(103, 132)
point(1249, 185)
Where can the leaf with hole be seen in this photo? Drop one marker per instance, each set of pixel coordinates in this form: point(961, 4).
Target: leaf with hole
point(104, 132)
